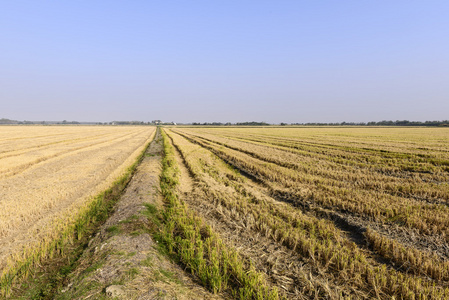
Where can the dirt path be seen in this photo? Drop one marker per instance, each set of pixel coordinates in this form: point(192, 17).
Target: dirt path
point(123, 261)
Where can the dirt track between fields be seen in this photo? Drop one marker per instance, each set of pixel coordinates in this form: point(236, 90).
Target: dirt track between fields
point(123, 260)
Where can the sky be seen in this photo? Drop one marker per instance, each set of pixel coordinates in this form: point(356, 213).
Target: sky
point(224, 61)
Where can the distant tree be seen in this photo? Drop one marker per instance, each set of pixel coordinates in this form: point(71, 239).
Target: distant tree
point(382, 123)
point(252, 124)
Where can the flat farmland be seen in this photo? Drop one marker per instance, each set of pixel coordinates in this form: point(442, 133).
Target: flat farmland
point(326, 212)
point(48, 174)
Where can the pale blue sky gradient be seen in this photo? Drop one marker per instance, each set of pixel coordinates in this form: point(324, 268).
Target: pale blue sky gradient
point(204, 61)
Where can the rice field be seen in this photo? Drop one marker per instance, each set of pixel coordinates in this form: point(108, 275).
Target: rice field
point(49, 175)
point(311, 212)
point(252, 213)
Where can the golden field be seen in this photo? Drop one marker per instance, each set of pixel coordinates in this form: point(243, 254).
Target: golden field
point(329, 212)
point(49, 173)
point(251, 212)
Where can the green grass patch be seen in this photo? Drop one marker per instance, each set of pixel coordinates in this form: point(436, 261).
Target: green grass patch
point(114, 229)
point(131, 254)
point(132, 273)
point(94, 267)
point(138, 232)
point(166, 276)
point(147, 262)
point(154, 217)
point(129, 219)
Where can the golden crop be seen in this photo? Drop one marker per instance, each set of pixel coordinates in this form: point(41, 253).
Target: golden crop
point(392, 182)
point(48, 173)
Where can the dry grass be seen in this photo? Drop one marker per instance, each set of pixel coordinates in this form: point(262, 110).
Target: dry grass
point(418, 200)
point(48, 173)
point(199, 247)
point(393, 177)
point(391, 186)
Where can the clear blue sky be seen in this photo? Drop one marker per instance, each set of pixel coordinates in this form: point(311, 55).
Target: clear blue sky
point(203, 61)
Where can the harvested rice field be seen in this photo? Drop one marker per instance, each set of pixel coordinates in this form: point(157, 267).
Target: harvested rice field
point(244, 212)
point(49, 177)
point(303, 213)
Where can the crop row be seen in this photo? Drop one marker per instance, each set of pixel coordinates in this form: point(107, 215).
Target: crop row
point(343, 175)
point(383, 156)
point(71, 226)
point(318, 240)
point(57, 199)
point(199, 248)
point(429, 218)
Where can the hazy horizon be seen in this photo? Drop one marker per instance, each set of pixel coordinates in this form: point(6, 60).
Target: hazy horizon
point(69, 122)
point(234, 61)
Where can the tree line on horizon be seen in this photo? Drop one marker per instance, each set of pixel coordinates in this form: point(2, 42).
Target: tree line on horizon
point(383, 123)
point(444, 123)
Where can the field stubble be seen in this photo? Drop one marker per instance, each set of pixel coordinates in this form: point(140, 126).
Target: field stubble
point(48, 174)
point(385, 186)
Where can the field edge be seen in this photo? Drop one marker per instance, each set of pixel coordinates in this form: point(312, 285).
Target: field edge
point(72, 238)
